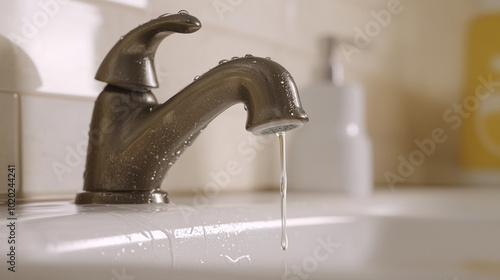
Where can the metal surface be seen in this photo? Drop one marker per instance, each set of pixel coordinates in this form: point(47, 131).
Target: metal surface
point(134, 141)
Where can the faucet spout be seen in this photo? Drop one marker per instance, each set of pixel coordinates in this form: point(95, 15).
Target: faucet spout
point(266, 89)
point(134, 140)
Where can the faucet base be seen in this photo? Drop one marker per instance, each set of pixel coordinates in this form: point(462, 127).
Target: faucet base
point(137, 197)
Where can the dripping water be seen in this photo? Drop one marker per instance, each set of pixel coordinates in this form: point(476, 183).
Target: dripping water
point(283, 187)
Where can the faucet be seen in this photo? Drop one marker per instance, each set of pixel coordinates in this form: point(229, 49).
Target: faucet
point(134, 140)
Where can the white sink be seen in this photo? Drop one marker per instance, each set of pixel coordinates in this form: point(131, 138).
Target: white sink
point(410, 234)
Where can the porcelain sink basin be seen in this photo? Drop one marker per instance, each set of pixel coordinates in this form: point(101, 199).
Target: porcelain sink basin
point(409, 234)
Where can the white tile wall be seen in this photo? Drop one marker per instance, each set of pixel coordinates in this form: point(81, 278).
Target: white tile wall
point(9, 137)
point(50, 51)
point(54, 141)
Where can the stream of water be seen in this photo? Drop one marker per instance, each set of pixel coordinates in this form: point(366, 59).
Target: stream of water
point(283, 187)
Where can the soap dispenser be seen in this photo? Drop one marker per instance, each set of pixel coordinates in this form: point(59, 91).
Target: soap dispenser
point(333, 153)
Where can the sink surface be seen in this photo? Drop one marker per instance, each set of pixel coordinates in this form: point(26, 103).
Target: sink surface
point(451, 233)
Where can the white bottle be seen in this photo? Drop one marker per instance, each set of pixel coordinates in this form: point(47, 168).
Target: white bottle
point(333, 151)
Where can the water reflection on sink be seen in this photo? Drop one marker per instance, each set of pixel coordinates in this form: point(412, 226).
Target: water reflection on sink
point(433, 234)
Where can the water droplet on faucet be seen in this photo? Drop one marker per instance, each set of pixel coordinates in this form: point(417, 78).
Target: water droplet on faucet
point(183, 12)
point(248, 55)
point(223, 61)
point(234, 57)
point(196, 78)
point(268, 58)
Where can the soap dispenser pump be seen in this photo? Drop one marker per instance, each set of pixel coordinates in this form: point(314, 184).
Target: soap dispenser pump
point(333, 153)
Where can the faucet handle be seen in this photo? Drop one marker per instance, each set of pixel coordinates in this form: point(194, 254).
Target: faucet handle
point(130, 63)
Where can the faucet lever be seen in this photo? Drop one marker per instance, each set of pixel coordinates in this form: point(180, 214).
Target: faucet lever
point(130, 63)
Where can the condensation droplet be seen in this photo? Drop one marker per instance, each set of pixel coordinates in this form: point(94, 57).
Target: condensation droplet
point(223, 61)
point(183, 12)
point(248, 55)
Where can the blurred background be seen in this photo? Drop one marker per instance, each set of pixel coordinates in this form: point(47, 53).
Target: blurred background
point(420, 63)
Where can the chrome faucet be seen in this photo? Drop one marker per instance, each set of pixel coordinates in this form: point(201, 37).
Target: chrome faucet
point(133, 140)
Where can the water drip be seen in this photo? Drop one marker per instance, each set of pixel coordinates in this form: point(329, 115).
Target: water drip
point(283, 188)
